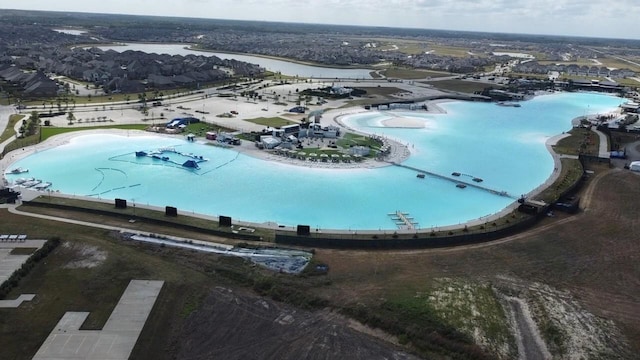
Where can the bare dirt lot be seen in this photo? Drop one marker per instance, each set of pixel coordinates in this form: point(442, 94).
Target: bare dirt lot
point(588, 261)
point(233, 324)
point(594, 256)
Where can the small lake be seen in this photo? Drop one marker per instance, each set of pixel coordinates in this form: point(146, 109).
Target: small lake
point(284, 67)
point(515, 55)
point(70, 31)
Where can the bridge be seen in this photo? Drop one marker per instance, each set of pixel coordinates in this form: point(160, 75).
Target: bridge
point(455, 180)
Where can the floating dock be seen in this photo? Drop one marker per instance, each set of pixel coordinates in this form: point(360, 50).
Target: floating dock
point(403, 220)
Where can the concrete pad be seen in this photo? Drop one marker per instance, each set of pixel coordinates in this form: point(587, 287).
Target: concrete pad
point(117, 338)
point(10, 263)
point(22, 244)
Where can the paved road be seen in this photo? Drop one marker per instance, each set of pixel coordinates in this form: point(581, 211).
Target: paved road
point(530, 345)
point(5, 113)
point(603, 151)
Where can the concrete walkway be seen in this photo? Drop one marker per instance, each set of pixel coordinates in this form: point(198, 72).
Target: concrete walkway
point(10, 263)
point(6, 304)
point(603, 150)
point(118, 336)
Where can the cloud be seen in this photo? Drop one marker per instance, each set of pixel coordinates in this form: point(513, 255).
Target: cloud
point(564, 17)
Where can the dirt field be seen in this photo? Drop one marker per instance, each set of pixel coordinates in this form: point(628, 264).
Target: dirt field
point(578, 275)
point(594, 256)
point(233, 324)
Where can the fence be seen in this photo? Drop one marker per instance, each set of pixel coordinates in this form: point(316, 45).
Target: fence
point(404, 241)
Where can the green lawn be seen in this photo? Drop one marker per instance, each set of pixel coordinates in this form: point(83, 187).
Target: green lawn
point(350, 139)
point(201, 128)
point(571, 172)
point(382, 90)
point(461, 85)
point(9, 131)
point(275, 122)
point(581, 140)
point(446, 50)
point(403, 73)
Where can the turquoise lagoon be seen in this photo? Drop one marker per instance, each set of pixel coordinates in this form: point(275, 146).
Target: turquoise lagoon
point(505, 146)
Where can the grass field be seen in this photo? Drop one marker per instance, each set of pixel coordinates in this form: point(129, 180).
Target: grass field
point(350, 139)
point(445, 50)
point(404, 73)
point(382, 90)
point(570, 174)
point(275, 122)
point(461, 85)
point(122, 217)
point(618, 64)
point(9, 130)
point(591, 256)
point(60, 286)
point(581, 140)
point(579, 62)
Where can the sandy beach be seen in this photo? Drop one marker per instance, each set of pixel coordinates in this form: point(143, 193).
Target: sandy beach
point(206, 106)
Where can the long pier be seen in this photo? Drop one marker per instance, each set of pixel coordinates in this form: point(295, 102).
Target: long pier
point(456, 180)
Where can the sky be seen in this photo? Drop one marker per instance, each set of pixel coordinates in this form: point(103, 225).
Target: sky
point(592, 18)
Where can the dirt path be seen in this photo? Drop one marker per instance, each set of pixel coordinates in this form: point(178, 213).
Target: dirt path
point(530, 344)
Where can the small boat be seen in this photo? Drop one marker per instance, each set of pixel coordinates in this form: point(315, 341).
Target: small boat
point(461, 186)
point(141, 153)
point(42, 186)
point(421, 176)
point(18, 170)
point(165, 158)
point(476, 179)
point(455, 173)
point(156, 156)
point(21, 181)
point(31, 183)
point(504, 103)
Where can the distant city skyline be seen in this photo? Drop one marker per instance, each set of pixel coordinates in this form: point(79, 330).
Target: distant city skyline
point(590, 18)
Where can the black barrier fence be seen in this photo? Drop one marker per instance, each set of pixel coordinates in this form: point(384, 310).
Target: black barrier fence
point(170, 211)
point(303, 230)
point(390, 240)
point(174, 224)
point(121, 204)
point(224, 221)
